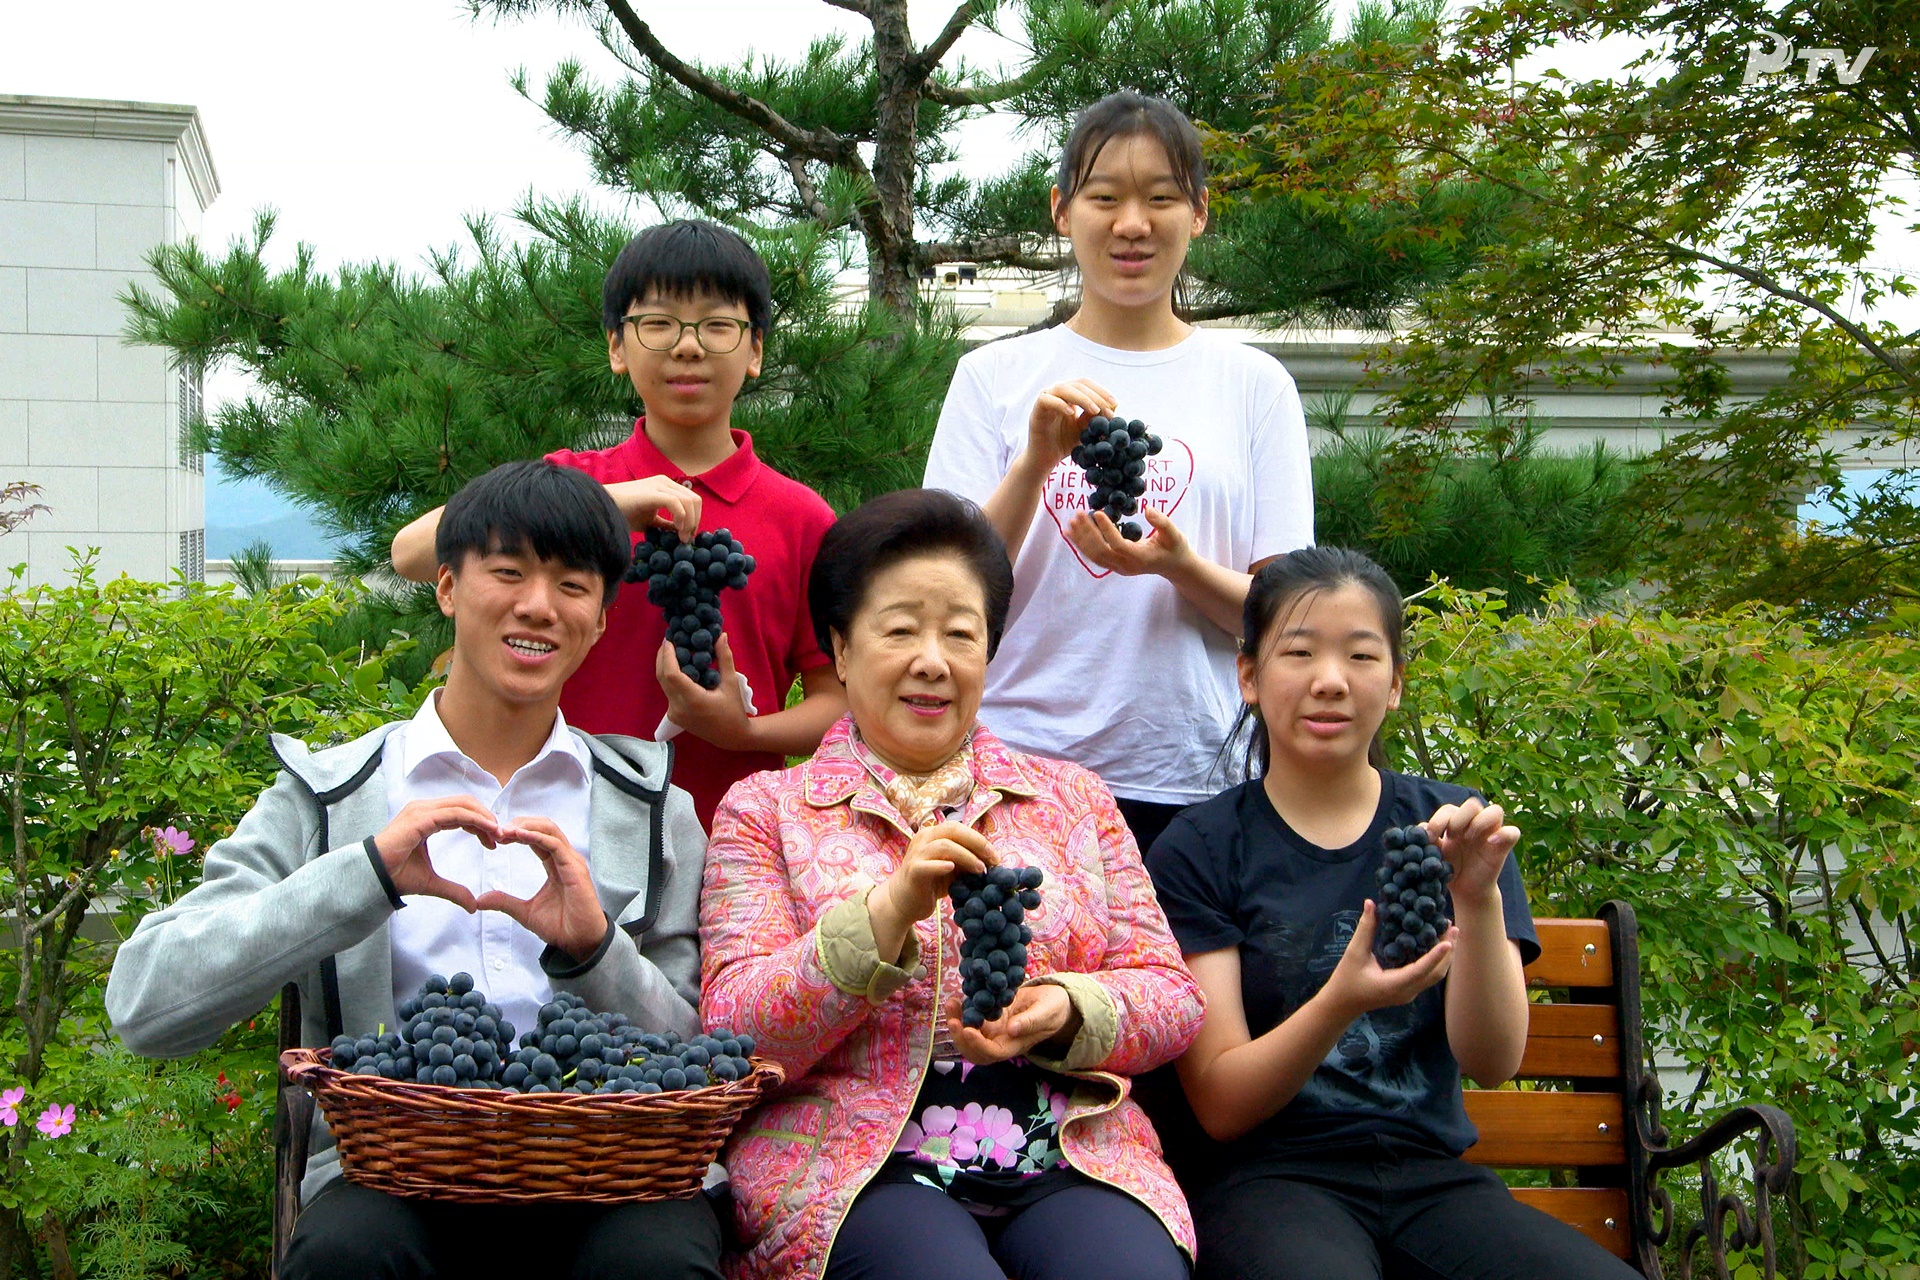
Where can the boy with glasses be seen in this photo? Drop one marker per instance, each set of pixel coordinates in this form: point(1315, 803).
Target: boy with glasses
point(686, 308)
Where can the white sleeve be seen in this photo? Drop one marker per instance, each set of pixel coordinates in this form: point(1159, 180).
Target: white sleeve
point(1282, 474)
point(969, 454)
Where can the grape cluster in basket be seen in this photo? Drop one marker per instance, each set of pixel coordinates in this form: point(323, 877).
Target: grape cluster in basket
point(685, 580)
point(451, 1035)
point(1412, 901)
point(1114, 452)
point(575, 1050)
point(991, 909)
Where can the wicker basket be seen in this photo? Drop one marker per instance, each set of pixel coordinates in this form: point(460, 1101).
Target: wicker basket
point(487, 1146)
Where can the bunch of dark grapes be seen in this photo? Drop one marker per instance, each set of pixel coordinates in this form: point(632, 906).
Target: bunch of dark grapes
point(449, 1034)
point(575, 1050)
point(452, 1036)
point(1114, 452)
point(685, 580)
point(991, 909)
point(1412, 902)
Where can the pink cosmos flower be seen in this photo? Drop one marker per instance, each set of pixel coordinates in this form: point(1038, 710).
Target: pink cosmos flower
point(56, 1120)
point(173, 841)
point(932, 1138)
point(10, 1106)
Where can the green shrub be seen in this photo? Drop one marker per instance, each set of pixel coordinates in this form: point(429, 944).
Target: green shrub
point(1751, 791)
point(133, 732)
point(1512, 522)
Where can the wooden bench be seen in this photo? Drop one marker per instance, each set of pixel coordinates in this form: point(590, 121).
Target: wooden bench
point(1602, 1125)
point(1602, 1121)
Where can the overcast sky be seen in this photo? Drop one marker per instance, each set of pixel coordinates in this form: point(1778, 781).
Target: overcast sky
point(375, 128)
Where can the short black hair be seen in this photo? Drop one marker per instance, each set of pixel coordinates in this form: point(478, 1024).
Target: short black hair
point(680, 259)
point(898, 526)
point(559, 513)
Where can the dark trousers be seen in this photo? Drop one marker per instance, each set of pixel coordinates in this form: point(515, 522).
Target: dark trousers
point(1146, 819)
point(353, 1233)
point(902, 1231)
point(1384, 1211)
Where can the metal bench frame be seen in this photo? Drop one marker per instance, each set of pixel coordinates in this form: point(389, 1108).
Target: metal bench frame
point(1606, 1127)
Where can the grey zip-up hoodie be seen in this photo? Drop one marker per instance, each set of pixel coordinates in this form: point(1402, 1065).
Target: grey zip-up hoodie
point(299, 893)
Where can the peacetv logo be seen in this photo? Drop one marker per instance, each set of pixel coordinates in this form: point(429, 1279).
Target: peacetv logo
point(1770, 61)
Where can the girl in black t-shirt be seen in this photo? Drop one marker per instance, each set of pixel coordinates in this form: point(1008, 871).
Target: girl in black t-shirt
point(1326, 1120)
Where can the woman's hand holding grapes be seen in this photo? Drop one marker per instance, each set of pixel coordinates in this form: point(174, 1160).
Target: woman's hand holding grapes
point(934, 856)
point(1040, 1013)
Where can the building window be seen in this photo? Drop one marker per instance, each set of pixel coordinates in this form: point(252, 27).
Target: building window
point(191, 406)
point(193, 555)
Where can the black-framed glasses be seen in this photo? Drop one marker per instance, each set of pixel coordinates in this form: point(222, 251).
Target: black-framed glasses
point(717, 335)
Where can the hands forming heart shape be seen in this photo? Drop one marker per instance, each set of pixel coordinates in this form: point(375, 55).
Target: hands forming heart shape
point(566, 912)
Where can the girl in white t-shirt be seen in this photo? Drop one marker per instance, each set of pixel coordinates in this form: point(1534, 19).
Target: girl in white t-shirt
point(1119, 654)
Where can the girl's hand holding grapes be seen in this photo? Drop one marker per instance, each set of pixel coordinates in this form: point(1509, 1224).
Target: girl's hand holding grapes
point(1360, 984)
point(1164, 551)
point(1053, 428)
point(1475, 838)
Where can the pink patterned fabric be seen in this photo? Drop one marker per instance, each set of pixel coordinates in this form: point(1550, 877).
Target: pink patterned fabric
point(788, 846)
point(792, 845)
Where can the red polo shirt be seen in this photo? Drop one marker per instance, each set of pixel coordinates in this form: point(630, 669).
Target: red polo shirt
point(780, 521)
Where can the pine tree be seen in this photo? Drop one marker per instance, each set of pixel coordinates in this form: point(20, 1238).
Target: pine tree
point(1517, 521)
point(379, 394)
point(860, 137)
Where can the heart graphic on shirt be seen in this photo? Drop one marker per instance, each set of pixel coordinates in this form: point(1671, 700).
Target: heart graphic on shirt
point(1169, 476)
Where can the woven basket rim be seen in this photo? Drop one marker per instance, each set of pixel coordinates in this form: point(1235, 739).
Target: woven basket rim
point(496, 1146)
point(313, 1068)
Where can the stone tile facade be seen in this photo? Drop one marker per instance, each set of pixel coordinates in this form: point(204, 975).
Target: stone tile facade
point(87, 190)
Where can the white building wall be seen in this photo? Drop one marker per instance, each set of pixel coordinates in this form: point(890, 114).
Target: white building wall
point(87, 190)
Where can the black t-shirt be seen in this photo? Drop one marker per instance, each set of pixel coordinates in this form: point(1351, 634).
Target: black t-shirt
point(1231, 873)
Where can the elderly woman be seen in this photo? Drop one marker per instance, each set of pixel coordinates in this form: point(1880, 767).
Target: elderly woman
point(906, 1142)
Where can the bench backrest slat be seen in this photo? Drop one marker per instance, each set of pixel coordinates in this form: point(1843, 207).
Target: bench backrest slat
point(1572, 1041)
point(1540, 1129)
point(1598, 1213)
point(1573, 953)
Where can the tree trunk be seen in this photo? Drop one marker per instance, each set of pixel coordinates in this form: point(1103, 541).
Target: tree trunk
point(16, 1246)
point(54, 1232)
point(891, 278)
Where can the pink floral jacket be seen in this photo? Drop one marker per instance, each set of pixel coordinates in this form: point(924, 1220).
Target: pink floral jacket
point(788, 955)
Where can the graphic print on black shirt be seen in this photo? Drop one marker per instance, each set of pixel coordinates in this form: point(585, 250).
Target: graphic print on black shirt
point(1231, 873)
point(1373, 1061)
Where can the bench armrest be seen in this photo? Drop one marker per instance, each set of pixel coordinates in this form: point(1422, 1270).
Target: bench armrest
point(1774, 1152)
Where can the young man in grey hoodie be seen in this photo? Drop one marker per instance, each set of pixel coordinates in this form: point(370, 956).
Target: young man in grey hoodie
point(483, 835)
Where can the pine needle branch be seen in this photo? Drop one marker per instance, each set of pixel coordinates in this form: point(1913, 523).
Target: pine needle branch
point(820, 144)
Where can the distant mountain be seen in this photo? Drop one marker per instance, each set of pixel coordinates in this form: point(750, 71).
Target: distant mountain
point(241, 511)
point(292, 537)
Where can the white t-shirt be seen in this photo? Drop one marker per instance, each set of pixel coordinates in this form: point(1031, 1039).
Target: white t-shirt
point(1122, 674)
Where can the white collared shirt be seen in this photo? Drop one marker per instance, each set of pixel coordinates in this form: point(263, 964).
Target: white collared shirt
point(432, 935)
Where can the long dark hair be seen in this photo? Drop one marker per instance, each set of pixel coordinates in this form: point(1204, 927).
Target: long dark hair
point(1128, 114)
point(1282, 586)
